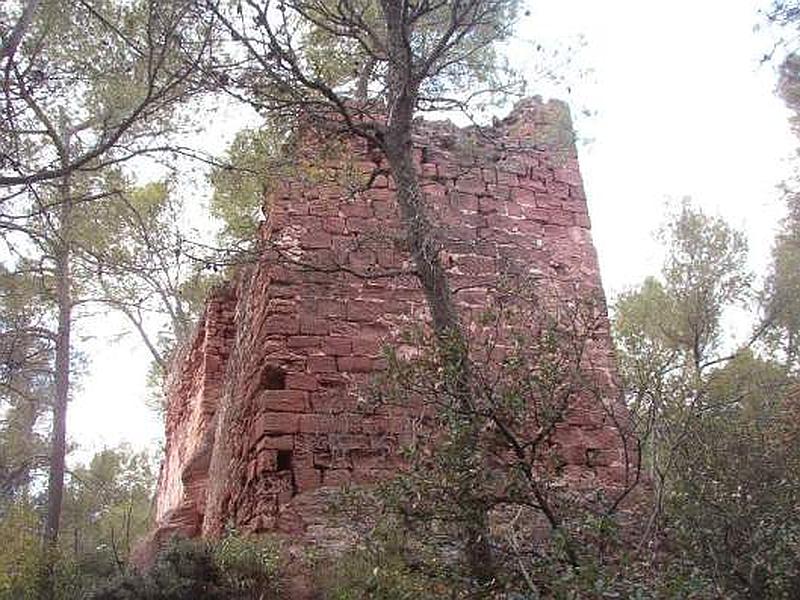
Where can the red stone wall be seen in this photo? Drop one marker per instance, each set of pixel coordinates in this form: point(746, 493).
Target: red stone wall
point(193, 391)
point(265, 406)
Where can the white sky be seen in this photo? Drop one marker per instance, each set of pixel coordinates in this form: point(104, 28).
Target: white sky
point(680, 107)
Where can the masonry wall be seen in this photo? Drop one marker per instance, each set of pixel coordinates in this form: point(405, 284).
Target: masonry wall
point(265, 405)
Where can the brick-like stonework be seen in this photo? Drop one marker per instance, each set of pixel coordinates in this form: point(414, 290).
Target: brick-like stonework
point(264, 403)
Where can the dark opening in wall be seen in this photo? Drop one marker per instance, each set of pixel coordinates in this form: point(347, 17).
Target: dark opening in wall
point(273, 378)
point(284, 460)
point(592, 456)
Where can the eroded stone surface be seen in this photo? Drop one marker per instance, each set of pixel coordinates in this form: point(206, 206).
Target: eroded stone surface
point(264, 406)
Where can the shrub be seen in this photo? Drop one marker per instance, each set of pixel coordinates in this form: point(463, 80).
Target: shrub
point(376, 571)
point(250, 566)
point(21, 556)
point(184, 570)
point(232, 568)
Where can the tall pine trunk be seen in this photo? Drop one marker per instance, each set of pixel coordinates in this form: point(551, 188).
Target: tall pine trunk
point(62, 381)
point(63, 277)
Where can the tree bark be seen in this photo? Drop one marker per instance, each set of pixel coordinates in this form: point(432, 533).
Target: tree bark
point(62, 369)
point(58, 450)
point(423, 245)
point(425, 251)
point(425, 248)
point(63, 277)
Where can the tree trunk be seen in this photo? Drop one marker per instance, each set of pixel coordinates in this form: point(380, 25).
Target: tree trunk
point(58, 450)
point(62, 369)
point(423, 245)
point(425, 250)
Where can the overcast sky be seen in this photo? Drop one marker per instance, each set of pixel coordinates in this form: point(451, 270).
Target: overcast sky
point(679, 105)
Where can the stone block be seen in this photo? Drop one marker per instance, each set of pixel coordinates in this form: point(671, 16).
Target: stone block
point(282, 324)
point(307, 479)
point(468, 185)
point(355, 209)
point(303, 341)
point(332, 380)
point(333, 401)
point(367, 346)
point(328, 308)
point(334, 225)
point(277, 442)
point(336, 477)
point(380, 182)
point(375, 424)
point(365, 311)
point(558, 189)
point(313, 326)
point(596, 457)
point(275, 422)
point(429, 171)
point(577, 192)
point(509, 179)
point(355, 364)
point(384, 209)
point(464, 202)
point(345, 442)
point(568, 175)
point(321, 364)
point(345, 329)
point(301, 381)
point(291, 400)
point(321, 423)
point(362, 225)
point(316, 239)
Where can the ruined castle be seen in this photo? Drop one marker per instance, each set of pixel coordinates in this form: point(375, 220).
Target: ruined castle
point(263, 406)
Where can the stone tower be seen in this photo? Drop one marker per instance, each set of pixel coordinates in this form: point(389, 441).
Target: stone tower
point(263, 402)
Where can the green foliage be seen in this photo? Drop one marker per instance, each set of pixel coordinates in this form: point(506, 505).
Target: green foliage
point(24, 561)
point(382, 569)
point(341, 60)
point(20, 559)
point(782, 296)
point(92, 74)
point(233, 568)
point(668, 330)
point(90, 85)
point(183, 571)
point(249, 566)
point(397, 560)
point(484, 508)
point(107, 507)
point(135, 257)
point(704, 273)
point(255, 160)
point(789, 84)
point(26, 355)
point(310, 61)
point(473, 63)
point(735, 490)
point(134, 252)
point(719, 430)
